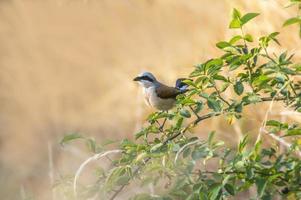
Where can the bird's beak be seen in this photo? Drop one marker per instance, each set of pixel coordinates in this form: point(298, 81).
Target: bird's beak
point(137, 78)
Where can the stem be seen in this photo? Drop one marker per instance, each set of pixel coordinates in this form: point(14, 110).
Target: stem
point(243, 36)
point(268, 56)
point(163, 124)
point(194, 112)
point(160, 126)
point(248, 62)
point(220, 96)
point(117, 192)
point(292, 87)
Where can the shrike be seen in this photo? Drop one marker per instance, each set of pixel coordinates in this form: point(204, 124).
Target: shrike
point(157, 94)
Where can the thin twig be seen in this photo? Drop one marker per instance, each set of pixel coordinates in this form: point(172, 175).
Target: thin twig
point(158, 123)
point(163, 124)
point(194, 112)
point(268, 112)
point(183, 147)
point(220, 96)
point(117, 192)
point(82, 166)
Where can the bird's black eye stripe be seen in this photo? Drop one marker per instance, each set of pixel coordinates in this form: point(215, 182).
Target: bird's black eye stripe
point(146, 78)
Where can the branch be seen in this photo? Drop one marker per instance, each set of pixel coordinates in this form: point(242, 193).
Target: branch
point(117, 192)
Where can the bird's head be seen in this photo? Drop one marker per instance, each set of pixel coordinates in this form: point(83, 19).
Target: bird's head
point(146, 79)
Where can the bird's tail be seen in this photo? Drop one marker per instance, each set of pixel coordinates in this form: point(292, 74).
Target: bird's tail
point(182, 86)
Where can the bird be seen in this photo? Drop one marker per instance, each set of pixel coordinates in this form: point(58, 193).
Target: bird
point(157, 94)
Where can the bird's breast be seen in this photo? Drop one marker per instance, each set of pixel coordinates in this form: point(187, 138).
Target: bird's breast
point(157, 102)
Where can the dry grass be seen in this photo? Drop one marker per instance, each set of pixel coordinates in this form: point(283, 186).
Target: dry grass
point(67, 65)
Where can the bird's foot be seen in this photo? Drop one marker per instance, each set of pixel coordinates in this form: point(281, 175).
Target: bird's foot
point(161, 128)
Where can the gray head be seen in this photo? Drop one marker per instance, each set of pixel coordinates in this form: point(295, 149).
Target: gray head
point(146, 79)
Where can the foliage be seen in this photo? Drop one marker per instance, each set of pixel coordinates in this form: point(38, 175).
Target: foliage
point(170, 156)
point(296, 19)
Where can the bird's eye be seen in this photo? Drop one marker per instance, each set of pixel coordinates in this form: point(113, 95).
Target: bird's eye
point(147, 78)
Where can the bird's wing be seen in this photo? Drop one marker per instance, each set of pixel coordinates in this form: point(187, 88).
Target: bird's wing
point(166, 92)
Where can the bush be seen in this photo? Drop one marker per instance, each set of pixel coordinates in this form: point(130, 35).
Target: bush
point(173, 158)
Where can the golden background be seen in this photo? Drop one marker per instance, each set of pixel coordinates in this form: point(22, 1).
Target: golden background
point(67, 66)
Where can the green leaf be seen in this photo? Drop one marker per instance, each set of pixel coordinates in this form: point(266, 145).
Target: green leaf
point(273, 123)
point(238, 87)
point(282, 57)
point(222, 44)
point(297, 67)
point(199, 153)
point(214, 105)
point(238, 108)
point(235, 13)
point(247, 17)
point(91, 144)
point(122, 180)
point(140, 134)
point(293, 132)
point(248, 38)
point(230, 189)
point(114, 176)
point(179, 122)
point(214, 62)
point(220, 77)
point(235, 39)
point(261, 184)
point(274, 34)
point(291, 21)
point(215, 192)
point(224, 87)
point(242, 144)
point(251, 98)
point(199, 106)
point(156, 147)
point(231, 49)
point(262, 79)
point(185, 113)
point(188, 102)
point(70, 137)
point(190, 82)
point(287, 71)
point(210, 137)
point(235, 23)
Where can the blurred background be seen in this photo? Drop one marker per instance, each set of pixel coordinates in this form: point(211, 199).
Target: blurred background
point(67, 66)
